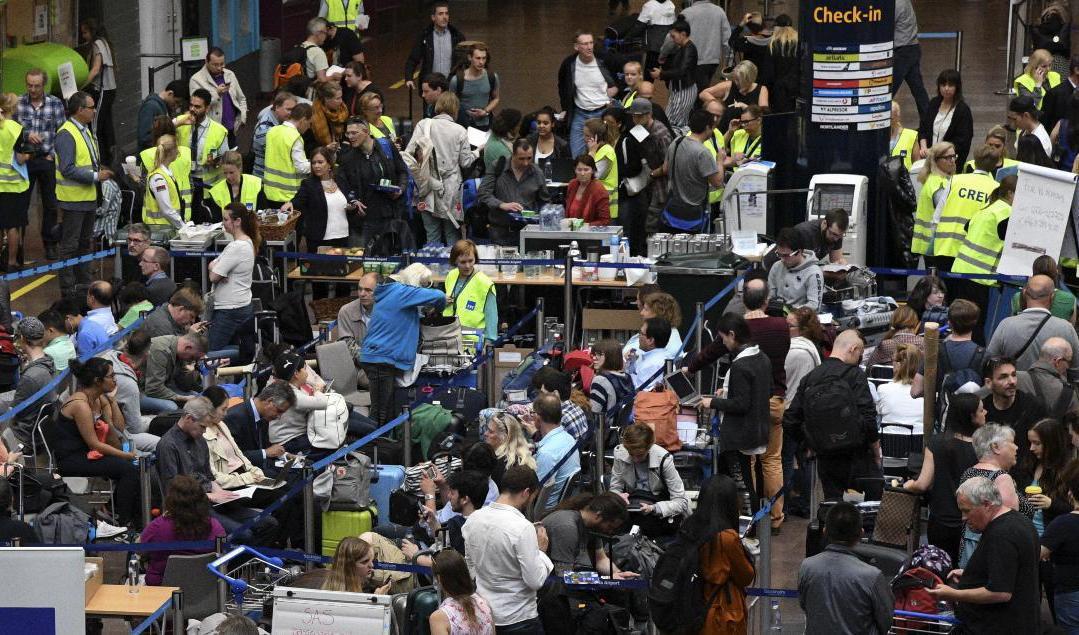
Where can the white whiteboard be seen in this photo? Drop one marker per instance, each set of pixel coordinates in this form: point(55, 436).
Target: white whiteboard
point(304, 611)
point(1040, 214)
point(41, 580)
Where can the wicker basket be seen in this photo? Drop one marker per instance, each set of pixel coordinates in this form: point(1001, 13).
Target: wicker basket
point(278, 231)
point(327, 308)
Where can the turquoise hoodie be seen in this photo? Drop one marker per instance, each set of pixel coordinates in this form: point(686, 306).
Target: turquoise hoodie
point(393, 334)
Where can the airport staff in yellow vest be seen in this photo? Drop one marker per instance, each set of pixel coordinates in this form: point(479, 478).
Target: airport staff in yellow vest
point(208, 141)
point(980, 251)
point(286, 162)
point(381, 125)
point(470, 294)
point(902, 140)
point(996, 138)
point(938, 168)
point(235, 186)
point(1037, 79)
point(181, 167)
point(14, 199)
point(162, 205)
point(744, 138)
point(78, 172)
point(342, 13)
point(964, 196)
point(631, 76)
point(597, 137)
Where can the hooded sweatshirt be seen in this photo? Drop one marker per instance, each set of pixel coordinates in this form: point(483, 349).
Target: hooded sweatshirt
point(127, 391)
point(798, 287)
point(802, 357)
point(34, 377)
point(393, 332)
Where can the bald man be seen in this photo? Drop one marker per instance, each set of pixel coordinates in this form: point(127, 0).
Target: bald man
point(647, 89)
point(1047, 378)
point(839, 470)
point(1022, 336)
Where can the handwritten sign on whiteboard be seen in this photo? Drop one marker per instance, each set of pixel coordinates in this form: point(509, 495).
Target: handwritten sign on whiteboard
point(329, 612)
point(1040, 214)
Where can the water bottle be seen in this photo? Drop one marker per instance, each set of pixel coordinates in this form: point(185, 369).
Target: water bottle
point(133, 574)
point(613, 245)
point(777, 619)
point(548, 171)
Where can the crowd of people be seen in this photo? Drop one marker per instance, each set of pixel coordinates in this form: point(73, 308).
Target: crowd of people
point(796, 397)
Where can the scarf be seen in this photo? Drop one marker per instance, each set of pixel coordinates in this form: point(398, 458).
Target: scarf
point(328, 125)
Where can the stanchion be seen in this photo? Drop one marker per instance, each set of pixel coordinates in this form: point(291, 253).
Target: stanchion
point(144, 486)
point(698, 340)
point(539, 323)
point(222, 588)
point(764, 567)
point(489, 374)
point(406, 438)
point(308, 513)
point(601, 445)
point(567, 299)
point(929, 382)
point(178, 625)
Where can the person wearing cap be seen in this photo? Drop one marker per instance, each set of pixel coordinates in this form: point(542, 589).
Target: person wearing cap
point(1023, 118)
point(37, 371)
point(644, 217)
point(393, 333)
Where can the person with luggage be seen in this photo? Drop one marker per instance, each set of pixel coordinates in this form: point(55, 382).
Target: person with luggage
point(463, 611)
point(959, 359)
point(1022, 336)
point(11, 528)
point(611, 387)
point(839, 593)
point(833, 411)
point(645, 476)
point(997, 590)
point(806, 350)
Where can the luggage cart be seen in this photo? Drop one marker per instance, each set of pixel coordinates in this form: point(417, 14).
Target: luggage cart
point(250, 582)
point(909, 622)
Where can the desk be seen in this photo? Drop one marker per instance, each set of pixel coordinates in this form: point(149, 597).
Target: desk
point(115, 601)
point(288, 244)
point(190, 245)
point(546, 280)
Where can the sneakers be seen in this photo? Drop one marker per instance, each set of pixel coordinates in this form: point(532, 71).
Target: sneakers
point(105, 530)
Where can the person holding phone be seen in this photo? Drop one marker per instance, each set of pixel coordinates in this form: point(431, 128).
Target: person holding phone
point(228, 105)
point(645, 477)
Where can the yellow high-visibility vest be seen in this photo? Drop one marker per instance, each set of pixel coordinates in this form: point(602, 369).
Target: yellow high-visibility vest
point(610, 182)
point(250, 187)
point(923, 215)
point(967, 194)
point(151, 212)
point(980, 251)
point(904, 146)
point(342, 13)
point(10, 180)
point(68, 191)
point(216, 134)
point(280, 179)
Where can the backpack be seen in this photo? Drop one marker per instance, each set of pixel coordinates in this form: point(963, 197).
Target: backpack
point(62, 523)
point(492, 83)
point(293, 317)
point(517, 382)
point(346, 483)
point(659, 409)
point(676, 589)
point(291, 64)
point(326, 428)
point(637, 553)
point(832, 423)
point(911, 591)
point(953, 377)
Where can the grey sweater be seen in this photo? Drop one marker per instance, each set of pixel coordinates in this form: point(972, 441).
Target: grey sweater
point(798, 287)
point(1013, 332)
point(34, 377)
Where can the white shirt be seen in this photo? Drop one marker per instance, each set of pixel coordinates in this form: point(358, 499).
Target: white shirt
point(673, 344)
point(645, 365)
point(657, 13)
point(590, 85)
point(502, 552)
point(941, 123)
point(1042, 135)
point(103, 316)
point(299, 157)
point(336, 221)
point(895, 405)
point(236, 263)
point(106, 78)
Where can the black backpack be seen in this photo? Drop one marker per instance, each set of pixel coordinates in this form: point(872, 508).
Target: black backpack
point(831, 422)
point(293, 317)
point(676, 590)
point(953, 377)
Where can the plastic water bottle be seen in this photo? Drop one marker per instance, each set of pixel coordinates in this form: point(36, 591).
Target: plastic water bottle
point(548, 171)
point(133, 574)
point(614, 245)
point(777, 619)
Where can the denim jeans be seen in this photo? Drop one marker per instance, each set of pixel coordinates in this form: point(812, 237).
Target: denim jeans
point(576, 130)
point(1067, 611)
point(440, 230)
point(226, 324)
point(155, 406)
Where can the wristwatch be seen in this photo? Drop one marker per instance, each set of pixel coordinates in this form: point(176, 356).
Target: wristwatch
point(428, 497)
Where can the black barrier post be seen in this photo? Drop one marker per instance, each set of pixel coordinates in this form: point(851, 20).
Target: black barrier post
point(698, 340)
point(406, 438)
point(308, 514)
point(539, 323)
point(601, 446)
point(490, 373)
point(222, 588)
point(144, 485)
point(178, 612)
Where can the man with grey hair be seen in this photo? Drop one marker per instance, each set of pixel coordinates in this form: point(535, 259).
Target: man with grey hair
point(1047, 378)
point(154, 265)
point(315, 61)
point(998, 591)
point(138, 240)
point(249, 424)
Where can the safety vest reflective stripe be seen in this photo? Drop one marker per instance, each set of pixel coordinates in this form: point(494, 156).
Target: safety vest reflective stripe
point(69, 191)
point(713, 145)
point(610, 182)
point(469, 305)
point(250, 186)
point(151, 212)
point(342, 13)
point(1052, 78)
point(923, 216)
point(980, 250)
point(967, 195)
point(629, 99)
point(376, 132)
point(216, 134)
point(904, 146)
point(280, 178)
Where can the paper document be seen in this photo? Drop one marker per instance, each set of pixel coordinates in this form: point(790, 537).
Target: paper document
point(19, 167)
point(639, 133)
point(364, 21)
point(477, 138)
point(238, 494)
point(335, 70)
point(837, 268)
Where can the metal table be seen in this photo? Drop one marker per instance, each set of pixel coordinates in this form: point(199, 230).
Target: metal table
point(202, 249)
point(286, 245)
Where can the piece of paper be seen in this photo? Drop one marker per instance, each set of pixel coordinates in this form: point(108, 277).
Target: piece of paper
point(833, 267)
point(477, 138)
point(639, 132)
point(65, 74)
point(1040, 212)
point(364, 21)
point(335, 70)
point(20, 168)
point(744, 240)
point(270, 484)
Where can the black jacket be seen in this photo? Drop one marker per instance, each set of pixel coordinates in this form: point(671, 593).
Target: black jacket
point(567, 89)
point(250, 437)
point(746, 418)
point(679, 66)
point(561, 146)
point(753, 48)
point(310, 200)
point(423, 54)
point(960, 132)
point(364, 171)
point(1055, 104)
point(832, 369)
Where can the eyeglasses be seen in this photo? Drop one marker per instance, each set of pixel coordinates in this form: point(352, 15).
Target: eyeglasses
point(745, 121)
point(786, 255)
point(948, 157)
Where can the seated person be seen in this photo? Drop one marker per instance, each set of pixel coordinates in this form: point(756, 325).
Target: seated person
point(520, 186)
point(12, 528)
point(796, 279)
point(186, 518)
point(505, 436)
point(639, 461)
point(88, 431)
point(586, 196)
point(570, 528)
point(554, 445)
point(36, 373)
point(133, 303)
point(353, 568)
point(155, 264)
point(646, 368)
point(176, 317)
point(127, 366)
point(352, 319)
point(249, 423)
point(894, 403)
point(169, 371)
point(611, 386)
point(905, 325)
point(58, 344)
point(183, 450)
point(90, 336)
point(574, 420)
point(462, 489)
point(663, 305)
point(478, 458)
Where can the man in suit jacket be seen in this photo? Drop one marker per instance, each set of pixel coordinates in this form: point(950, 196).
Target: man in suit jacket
point(249, 423)
point(1058, 98)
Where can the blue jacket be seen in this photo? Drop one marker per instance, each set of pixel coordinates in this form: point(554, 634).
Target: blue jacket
point(393, 334)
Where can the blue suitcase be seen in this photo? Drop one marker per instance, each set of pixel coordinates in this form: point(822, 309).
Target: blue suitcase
point(388, 479)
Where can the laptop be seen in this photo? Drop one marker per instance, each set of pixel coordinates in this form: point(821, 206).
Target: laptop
point(684, 388)
point(562, 170)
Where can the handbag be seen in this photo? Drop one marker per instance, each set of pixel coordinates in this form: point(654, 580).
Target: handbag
point(637, 184)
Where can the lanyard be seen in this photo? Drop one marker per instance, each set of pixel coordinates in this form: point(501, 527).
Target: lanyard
point(462, 285)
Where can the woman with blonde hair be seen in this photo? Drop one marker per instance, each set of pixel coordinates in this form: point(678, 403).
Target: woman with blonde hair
point(894, 403)
point(353, 568)
point(902, 141)
point(937, 170)
point(14, 189)
point(785, 55)
point(235, 187)
point(328, 117)
point(997, 139)
point(503, 432)
point(463, 611)
point(739, 90)
point(1037, 78)
point(904, 330)
point(162, 204)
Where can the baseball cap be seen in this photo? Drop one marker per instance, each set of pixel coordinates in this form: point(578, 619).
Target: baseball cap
point(286, 365)
point(640, 106)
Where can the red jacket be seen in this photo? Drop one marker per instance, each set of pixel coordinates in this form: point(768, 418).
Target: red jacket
point(594, 208)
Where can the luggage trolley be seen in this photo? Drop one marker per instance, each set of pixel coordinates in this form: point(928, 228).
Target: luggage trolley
point(252, 581)
point(906, 622)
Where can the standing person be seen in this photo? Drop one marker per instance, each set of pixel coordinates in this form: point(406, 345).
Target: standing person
point(463, 611)
point(997, 591)
point(741, 87)
point(389, 349)
point(477, 88)
point(1058, 546)
point(434, 47)
point(679, 69)
point(504, 133)
point(470, 294)
point(585, 87)
point(901, 141)
point(1023, 117)
point(711, 31)
point(692, 170)
point(505, 553)
point(813, 408)
point(441, 211)
point(964, 196)
point(315, 61)
point(161, 104)
point(983, 244)
point(357, 81)
point(286, 163)
point(600, 137)
point(744, 404)
point(1037, 78)
point(655, 19)
point(382, 128)
point(1035, 323)
point(235, 187)
point(518, 187)
point(642, 209)
point(995, 446)
point(948, 117)
point(208, 141)
point(807, 341)
point(344, 15)
point(908, 56)
point(786, 57)
point(231, 274)
point(14, 189)
point(228, 105)
point(328, 117)
point(938, 168)
point(796, 278)
point(187, 517)
point(365, 168)
point(1042, 470)
point(958, 351)
point(163, 205)
point(837, 591)
point(41, 116)
point(275, 114)
point(1007, 405)
point(100, 83)
point(1063, 305)
point(1047, 378)
point(431, 88)
point(744, 137)
point(78, 174)
point(751, 40)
